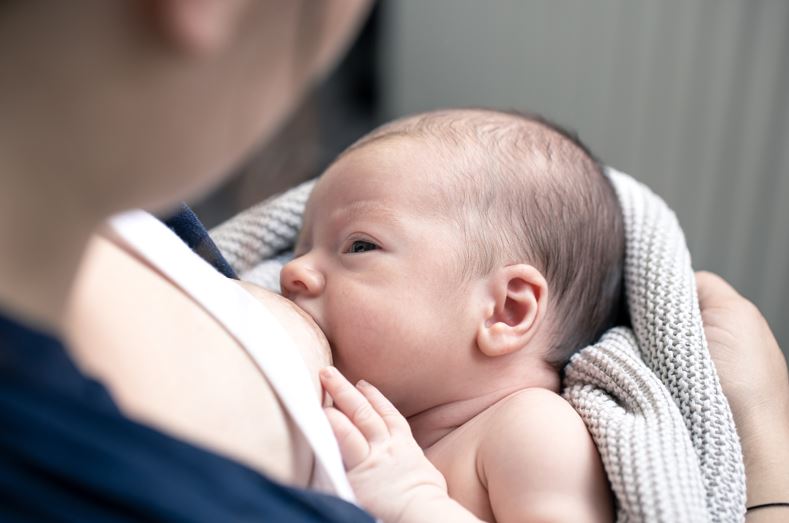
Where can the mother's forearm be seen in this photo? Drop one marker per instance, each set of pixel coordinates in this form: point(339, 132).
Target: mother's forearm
point(766, 453)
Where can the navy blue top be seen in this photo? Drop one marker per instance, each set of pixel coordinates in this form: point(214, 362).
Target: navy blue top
point(68, 454)
point(191, 230)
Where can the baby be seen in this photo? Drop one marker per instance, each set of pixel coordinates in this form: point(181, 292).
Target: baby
point(455, 260)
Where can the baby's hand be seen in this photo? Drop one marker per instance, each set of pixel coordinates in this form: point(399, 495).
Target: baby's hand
point(388, 471)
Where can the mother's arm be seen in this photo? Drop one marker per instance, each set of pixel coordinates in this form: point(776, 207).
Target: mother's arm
point(754, 377)
point(171, 365)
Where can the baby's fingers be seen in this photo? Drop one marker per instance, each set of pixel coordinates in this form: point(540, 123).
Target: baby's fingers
point(388, 412)
point(351, 402)
point(353, 447)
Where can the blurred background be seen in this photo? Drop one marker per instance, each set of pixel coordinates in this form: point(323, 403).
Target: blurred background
point(689, 96)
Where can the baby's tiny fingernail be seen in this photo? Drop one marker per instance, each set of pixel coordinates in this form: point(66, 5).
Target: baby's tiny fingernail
point(362, 383)
point(328, 372)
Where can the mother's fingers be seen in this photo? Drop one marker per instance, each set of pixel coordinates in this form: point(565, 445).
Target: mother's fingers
point(714, 291)
point(351, 402)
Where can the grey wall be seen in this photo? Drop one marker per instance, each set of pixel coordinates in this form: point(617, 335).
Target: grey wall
point(689, 96)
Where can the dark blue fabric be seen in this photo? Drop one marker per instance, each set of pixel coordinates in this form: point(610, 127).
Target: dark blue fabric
point(188, 226)
point(68, 454)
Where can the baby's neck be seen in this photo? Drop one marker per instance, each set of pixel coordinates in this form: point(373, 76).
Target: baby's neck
point(431, 425)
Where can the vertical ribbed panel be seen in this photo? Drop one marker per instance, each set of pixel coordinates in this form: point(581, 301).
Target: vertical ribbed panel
point(689, 96)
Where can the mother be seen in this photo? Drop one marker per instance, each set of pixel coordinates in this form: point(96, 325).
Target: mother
point(112, 104)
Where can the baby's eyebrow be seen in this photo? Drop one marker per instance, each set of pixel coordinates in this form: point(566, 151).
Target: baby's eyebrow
point(366, 209)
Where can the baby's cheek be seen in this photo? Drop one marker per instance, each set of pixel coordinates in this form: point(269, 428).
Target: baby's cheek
point(366, 344)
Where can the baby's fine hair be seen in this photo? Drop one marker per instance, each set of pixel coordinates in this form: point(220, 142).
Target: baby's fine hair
point(528, 191)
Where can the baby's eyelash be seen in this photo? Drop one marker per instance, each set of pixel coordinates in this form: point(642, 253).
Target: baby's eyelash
point(361, 246)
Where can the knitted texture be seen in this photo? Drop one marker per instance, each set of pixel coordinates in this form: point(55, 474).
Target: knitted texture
point(262, 232)
point(650, 396)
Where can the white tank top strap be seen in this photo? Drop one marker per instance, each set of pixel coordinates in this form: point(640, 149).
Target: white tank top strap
point(253, 327)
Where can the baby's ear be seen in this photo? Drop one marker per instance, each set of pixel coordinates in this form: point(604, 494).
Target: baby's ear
point(518, 297)
point(197, 27)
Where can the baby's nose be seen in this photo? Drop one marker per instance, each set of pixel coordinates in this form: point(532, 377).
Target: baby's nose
point(297, 278)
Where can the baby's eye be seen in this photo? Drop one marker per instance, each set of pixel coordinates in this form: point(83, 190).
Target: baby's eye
point(359, 246)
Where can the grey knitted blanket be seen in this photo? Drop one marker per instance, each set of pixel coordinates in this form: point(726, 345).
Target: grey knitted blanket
point(649, 395)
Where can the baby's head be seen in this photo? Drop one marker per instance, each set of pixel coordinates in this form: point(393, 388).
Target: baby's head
point(459, 250)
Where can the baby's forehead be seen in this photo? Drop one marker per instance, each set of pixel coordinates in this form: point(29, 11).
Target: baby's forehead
point(396, 160)
point(380, 196)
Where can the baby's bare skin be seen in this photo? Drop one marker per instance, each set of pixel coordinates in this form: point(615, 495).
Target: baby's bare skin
point(529, 454)
point(171, 365)
point(536, 431)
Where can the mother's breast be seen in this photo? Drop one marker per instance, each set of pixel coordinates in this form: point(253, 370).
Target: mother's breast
point(308, 339)
point(169, 364)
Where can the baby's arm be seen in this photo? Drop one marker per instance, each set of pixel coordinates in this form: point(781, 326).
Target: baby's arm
point(539, 463)
point(388, 471)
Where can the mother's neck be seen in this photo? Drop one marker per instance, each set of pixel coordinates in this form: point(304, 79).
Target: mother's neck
point(43, 234)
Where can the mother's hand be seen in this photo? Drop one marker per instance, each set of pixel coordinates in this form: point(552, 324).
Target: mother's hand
point(753, 375)
point(751, 366)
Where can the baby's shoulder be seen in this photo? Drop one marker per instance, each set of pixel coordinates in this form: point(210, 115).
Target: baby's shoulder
point(537, 450)
point(535, 410)
point(539, 423)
